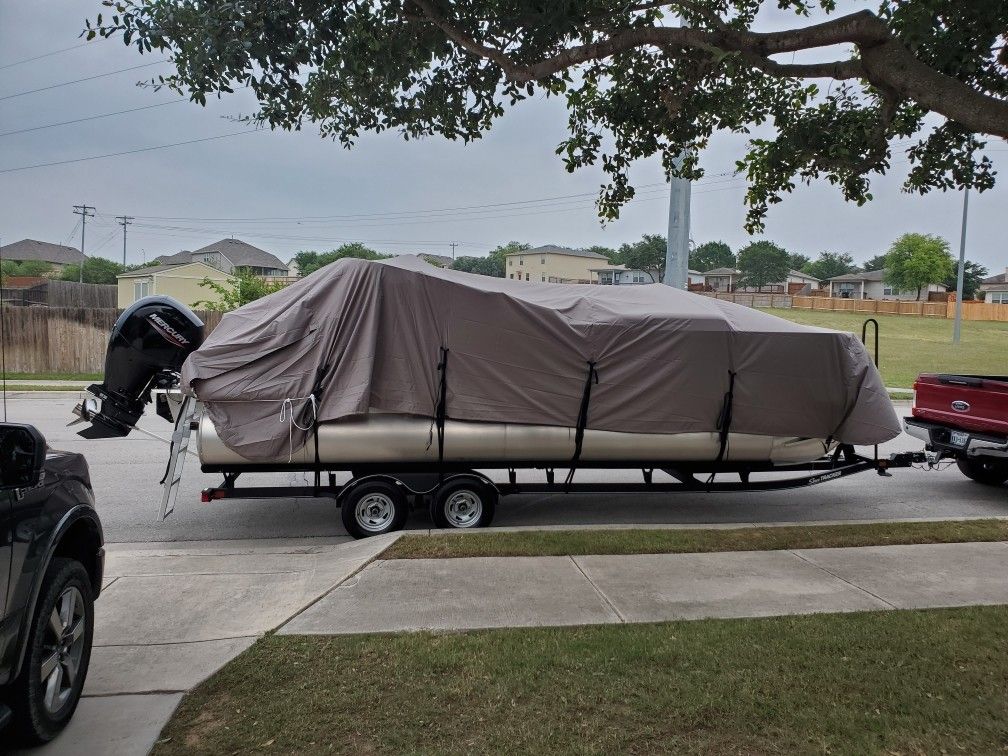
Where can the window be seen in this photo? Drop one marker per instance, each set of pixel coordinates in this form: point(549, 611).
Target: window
point(637, 276)
point(526, 276)
point(544, 277)
point(889, 291)
point(511, 263)
point(998, 297)
point(521, 260)
point(543, 260)
point(511, 276)
point(846, 289)
point(141, 289)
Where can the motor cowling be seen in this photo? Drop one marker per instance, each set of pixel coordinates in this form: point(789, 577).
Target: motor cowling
point(147, 346)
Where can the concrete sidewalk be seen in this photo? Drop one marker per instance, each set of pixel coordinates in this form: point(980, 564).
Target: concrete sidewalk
point(170, 615)
point(486, 592)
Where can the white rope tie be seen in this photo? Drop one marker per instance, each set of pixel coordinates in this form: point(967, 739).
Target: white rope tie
point(287, 415)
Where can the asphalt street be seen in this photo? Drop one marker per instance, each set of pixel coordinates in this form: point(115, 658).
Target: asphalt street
point(125, 475)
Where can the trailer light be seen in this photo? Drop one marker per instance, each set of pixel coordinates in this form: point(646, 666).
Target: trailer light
point(205, 497)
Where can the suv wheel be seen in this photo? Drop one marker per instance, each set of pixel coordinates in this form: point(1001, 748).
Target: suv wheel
point(46, 693)
point(988, 472)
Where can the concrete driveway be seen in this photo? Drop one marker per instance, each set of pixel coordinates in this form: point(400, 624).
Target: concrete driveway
point(169, 616)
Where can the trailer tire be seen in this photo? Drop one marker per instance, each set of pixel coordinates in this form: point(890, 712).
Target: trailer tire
point(374, 508)
point(464, 504)
point(986, 471)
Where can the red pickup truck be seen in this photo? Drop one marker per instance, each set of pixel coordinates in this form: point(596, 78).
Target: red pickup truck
point(964, 417)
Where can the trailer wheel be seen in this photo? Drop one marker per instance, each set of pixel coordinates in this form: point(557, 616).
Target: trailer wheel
point(988, 472)
point(374, 508)
point(464, 504)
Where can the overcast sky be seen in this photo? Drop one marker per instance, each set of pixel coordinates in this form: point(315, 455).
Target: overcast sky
point(392, 195)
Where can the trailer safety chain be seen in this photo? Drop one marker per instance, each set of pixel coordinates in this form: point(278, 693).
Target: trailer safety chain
point(582, 421)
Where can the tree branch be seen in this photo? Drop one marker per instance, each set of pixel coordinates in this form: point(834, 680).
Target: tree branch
point(884, 61)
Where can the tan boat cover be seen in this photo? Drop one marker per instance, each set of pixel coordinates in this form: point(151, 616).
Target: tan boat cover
point(367, 337)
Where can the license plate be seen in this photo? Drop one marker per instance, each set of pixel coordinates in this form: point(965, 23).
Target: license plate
point(959, 438)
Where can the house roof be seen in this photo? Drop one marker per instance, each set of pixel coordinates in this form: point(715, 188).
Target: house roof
point(868, 275)
point(240, 254)
point(802, 274)
point(1000, 278)
point(553, 249)
point(31, 249)
point(166, 268)
point(722, 272)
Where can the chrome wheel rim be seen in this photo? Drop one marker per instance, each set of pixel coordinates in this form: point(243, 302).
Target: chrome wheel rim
point(463, 509)
point(375, 512)
point(62, 649)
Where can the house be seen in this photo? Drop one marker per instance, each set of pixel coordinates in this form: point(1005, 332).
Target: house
point(57, 255)
point(229, 254)
point(553, 264)
point(293, 269)
point(995, 288)
point(729, 280)
point(620, 275)
point(179, 281)
point(871, 285)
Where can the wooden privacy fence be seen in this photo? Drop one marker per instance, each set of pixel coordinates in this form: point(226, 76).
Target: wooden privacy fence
point(980, 311)
point(754, 299)
point(63, 339)
point(872, 306)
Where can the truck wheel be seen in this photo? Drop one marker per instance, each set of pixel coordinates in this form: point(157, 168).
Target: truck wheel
point(46, 693)
point(464, 504)
point(374, 508)
point(988, 472)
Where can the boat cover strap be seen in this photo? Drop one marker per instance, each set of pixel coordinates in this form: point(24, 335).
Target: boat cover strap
point(441, 410)
point(724, 420)
point(582, 420)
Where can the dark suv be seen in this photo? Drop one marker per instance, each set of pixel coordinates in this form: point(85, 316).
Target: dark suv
point(51, 562)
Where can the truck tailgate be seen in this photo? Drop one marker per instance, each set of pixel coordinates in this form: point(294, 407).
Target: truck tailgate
point(970, 402)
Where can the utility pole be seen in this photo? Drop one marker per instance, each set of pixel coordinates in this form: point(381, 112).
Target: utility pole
point(962, 271)
point(453, 245)
point(124, 220)
point(677, 252)
point(85, 212)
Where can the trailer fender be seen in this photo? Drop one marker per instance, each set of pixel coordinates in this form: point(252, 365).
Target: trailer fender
point(417, 484)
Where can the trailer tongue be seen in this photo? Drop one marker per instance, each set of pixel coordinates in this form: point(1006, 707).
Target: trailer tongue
point(273, 388)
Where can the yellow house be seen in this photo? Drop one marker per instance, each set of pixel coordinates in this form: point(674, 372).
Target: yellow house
point(181, 282)
point(552, 264)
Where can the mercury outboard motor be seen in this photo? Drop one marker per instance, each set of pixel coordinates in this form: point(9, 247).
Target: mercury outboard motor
point(148, 345)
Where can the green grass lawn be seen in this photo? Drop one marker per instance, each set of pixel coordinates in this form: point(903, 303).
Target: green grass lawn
point(911, 345)
point(933, 681)
point(690, 540)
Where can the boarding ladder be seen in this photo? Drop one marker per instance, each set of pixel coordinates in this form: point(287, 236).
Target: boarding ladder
point(176, 457)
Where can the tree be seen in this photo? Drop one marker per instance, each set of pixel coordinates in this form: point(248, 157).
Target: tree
point(31, 268)
point(607, 252)
point(647, 255)
point(973, 276)
point(762, 263)
point(485, 266)
point(97, 270)
point(798, 261)
point(240, 289)
point(874, 263)
point(309, 262)
point(915, 261)
point(831, 264)
point(710, 255)
point(641, 78)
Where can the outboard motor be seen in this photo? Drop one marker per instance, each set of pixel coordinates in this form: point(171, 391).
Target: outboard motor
point(148, 345)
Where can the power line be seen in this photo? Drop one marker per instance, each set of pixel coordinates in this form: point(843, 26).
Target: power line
point(124, 220)
point(85, 212)
point(394, 214)
point(43, 55)
point(91, 118)
point(78, 81)
point(125, 152)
